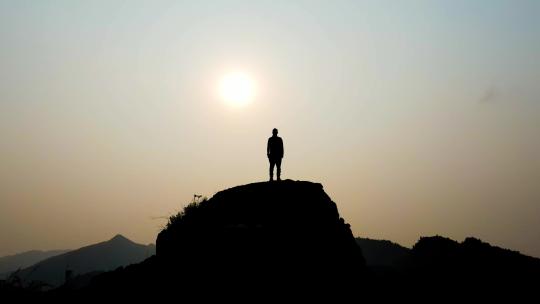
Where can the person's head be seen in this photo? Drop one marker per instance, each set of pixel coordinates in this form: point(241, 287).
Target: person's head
point(274, 132)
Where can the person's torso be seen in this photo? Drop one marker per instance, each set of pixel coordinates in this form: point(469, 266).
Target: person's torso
point(275, 146)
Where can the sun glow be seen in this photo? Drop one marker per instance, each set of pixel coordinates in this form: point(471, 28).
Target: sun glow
point(237, 89)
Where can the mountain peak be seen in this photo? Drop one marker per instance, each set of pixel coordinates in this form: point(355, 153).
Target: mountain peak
point(120, 238)
point(102, 256)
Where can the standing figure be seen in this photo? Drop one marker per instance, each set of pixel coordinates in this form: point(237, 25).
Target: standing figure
point(274, 151)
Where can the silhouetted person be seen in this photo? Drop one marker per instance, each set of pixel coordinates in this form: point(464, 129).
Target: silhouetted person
point(274, 150)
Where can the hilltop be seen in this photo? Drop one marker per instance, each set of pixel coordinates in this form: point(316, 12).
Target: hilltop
point(261, 237)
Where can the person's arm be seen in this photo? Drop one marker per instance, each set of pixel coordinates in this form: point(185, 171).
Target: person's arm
point(268, 148)
point(282, 148)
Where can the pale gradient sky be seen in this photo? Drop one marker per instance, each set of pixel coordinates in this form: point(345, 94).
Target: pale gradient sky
point(418, 117)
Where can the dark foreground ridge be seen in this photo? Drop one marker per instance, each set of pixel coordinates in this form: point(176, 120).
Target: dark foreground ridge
point(286, 241)
point(263, 237)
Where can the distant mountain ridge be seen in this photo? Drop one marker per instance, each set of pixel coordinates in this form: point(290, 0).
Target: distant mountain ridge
point(104, 256)
point(25, 259)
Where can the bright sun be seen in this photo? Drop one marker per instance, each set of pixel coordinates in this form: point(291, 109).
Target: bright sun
point(237, 89)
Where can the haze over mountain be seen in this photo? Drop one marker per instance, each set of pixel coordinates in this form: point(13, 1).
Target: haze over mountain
point(24, 259)
point(104, 256)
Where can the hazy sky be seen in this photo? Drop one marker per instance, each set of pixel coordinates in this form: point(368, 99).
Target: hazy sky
point(418, 117)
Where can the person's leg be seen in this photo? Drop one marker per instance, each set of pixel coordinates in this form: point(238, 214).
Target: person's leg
point(272, 163)
point(278, 164)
